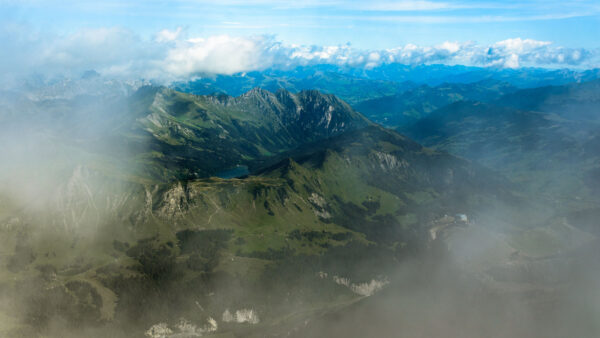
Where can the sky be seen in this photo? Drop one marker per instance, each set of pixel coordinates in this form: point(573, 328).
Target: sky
point(190, 36)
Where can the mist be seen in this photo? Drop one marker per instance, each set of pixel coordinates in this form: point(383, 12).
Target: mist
point(130, 206)
point(74, 199)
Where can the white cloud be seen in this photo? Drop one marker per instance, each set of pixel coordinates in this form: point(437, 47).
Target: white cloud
point(217, 54)
point(166, 35)
point(168, 56)
point(513, 53)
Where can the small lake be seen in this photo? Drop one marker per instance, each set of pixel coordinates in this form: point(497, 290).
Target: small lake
point(238, 171)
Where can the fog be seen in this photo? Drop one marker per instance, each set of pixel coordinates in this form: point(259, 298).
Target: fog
point(440, 295)
point(87, 248)
point(64, 177)
point(52, 136)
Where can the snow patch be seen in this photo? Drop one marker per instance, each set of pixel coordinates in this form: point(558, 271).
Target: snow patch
point(318, 200)
point(241, 316)
point(184, 328)
point(320, 205)
point(341, 281)
point(370, 288)
point(160, 330)
point(362, 289)
point(389, 162)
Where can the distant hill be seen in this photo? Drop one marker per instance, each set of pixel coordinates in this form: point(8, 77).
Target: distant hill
point(438, 74)
point(355, 85)
point(349, 88)
point(540, 137)
point(413, 104)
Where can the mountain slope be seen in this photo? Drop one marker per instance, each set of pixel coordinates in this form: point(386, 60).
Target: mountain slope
point(541, 138)
point(199, 136)
point(411, 105)
point(122, 256)
point(107, 230)
point(576, 103)
point(158, 134)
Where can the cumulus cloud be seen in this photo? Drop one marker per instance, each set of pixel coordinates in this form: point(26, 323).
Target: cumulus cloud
point(166, 35)
point(169, 56)
point(513, 53)
point(219, 54)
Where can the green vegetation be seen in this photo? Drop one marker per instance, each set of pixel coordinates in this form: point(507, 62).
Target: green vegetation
point(407, 107)
point(146, 234)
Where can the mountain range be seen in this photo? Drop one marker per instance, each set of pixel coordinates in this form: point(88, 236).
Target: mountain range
point(132, 209)
point(354, 85)
point(542, 138)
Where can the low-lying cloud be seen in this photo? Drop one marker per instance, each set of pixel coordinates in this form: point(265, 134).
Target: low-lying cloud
point(172, 55)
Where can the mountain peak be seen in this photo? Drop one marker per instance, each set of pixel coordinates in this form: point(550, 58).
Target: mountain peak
point(257, 92)
point(249, 127)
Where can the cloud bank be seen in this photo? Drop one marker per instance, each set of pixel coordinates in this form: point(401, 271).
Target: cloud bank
point(170, 55)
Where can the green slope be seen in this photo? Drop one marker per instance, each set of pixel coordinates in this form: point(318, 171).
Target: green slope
point(122, 256)
point(187, 136)
point(117, 229)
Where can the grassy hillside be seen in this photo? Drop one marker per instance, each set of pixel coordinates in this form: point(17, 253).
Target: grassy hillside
point(120, 256)
point(113, 220)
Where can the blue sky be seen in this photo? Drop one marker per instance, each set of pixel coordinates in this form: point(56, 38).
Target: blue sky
point(178, 39)
point(365, 24)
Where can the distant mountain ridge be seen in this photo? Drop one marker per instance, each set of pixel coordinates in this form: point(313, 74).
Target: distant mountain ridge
point(351, 89)
point(355, 85)
point(413, 104)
